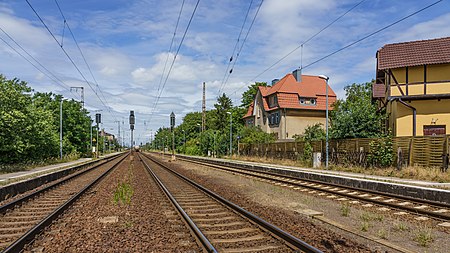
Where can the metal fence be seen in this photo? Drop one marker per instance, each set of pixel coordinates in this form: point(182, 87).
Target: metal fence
point(427, 151)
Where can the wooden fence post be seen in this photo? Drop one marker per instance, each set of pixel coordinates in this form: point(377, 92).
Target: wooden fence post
point(410, 156)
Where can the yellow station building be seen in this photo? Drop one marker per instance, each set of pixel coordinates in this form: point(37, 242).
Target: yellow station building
point(413, 84)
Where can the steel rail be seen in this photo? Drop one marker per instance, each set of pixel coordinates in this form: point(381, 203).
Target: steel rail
point(201, 237)
point(440, 216)
point(290, 239)
point(4, 208)
point(19, 244)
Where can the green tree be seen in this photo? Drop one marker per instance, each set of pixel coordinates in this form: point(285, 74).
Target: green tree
point(249, 95)
point(356, 116)
point(255, 134)
point(26, 130)
point(312, 133)
point(222, 106)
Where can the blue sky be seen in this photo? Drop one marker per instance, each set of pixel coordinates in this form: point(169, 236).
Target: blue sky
point(126, 44)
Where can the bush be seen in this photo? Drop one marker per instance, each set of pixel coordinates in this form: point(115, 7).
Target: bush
point(381, 153)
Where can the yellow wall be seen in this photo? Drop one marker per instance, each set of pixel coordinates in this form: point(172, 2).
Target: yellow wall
point(297, 125)
point(427, 110)
point(415, 74)
point(400, 75)
point(438, 72)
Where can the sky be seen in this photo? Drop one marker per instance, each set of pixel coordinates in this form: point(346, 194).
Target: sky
point(126, 45)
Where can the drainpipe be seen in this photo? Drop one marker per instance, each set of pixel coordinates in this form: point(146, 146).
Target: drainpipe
point(285, 124)
point(414, 114)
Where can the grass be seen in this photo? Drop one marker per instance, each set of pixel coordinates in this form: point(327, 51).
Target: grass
point(124, 192)
point(400, 226)
point(365, 226)
point(345, 209)
point(369, 216)
point(128, 224)
point(424, 237)
point(382, 233)
point(411, 172)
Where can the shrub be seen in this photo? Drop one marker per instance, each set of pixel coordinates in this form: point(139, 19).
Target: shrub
point(381, 153)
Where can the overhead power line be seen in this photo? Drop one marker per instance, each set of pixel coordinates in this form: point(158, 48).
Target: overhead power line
point(169, 51)
point(242, 45)
point(303, 43)
point(174, 58)
point(371, 34)
point(347, 46)
point(84, 59)
point(48, 73)
point(235, 45)
point(67, 55)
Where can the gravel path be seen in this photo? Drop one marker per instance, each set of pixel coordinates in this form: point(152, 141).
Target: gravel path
point(97, 223)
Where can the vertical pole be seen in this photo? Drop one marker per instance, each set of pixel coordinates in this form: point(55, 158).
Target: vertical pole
point(91, 134)
point(104, 141)
point(184, 141)
point(60, 129)
point(231, 135)
point(173, 144)
point(96, 150)
point(118, 133)
point(123, 133)
point(326, 123)
point(215, 154)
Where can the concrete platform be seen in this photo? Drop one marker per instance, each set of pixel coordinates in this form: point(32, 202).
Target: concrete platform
point(19, 182)
point(15, 176)
point(432, 191)
point(38, 170)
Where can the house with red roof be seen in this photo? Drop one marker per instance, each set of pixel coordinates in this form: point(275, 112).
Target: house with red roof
point(413, 86)
point(290, 105)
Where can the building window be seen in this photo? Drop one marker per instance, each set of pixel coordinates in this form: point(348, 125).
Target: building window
point(307, 101)
point(274, 118)
point(273, 101)
point(434, 130)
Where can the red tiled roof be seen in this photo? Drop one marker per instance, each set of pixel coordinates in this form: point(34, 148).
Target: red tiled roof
point(414, 53)
point(264, 90)
point(249, 111)
point(310, 86)
point(288, 91)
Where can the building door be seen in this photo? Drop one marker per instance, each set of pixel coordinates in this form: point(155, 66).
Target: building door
point(434, 130)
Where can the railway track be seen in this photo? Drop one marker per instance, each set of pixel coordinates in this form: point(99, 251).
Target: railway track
point(22, 219)
point(423, 208)
point(220, 225)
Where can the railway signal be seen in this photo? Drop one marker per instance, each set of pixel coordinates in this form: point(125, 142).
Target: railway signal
point(132, 122)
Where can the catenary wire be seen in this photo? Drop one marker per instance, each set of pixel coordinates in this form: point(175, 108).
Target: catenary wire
point(371, 34)
point(84, 59)
point(242, 46)
point(170, 50)
point(353, 43)
point(302, 44)
point(235, 46)
point(48, 74)
point(174, 58)
point(67, 55)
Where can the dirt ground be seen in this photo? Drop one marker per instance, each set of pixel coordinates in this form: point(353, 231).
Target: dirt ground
point(402, 231)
